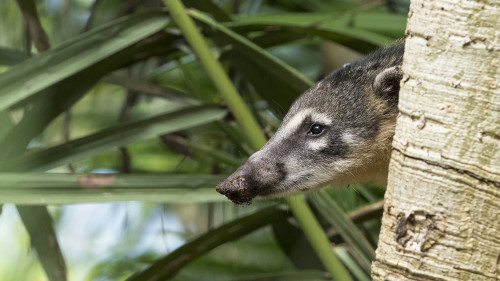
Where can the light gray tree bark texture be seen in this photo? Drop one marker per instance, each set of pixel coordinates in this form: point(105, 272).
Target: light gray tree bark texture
point(442, 206)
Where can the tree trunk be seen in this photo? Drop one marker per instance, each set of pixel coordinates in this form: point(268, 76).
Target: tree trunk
point(442, 205)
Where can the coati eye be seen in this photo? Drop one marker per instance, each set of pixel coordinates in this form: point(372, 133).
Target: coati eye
point(316, 129)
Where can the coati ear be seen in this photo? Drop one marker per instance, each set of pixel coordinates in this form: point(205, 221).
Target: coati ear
point(386, 83)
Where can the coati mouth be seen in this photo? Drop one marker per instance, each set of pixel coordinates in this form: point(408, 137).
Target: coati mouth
point(237, 190)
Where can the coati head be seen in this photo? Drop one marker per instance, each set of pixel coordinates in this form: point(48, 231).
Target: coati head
point(338, 132)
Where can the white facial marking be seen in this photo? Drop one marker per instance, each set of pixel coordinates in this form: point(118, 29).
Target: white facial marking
point(341, 165)
point(293, 123)
point(318, 143)
point(349, 138)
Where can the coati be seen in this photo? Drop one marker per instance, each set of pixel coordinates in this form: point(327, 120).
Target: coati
point(338, 132)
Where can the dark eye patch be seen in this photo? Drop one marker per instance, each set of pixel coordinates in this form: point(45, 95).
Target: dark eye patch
point(337, 148)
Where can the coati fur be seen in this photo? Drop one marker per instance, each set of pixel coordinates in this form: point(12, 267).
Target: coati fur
point(338, 132)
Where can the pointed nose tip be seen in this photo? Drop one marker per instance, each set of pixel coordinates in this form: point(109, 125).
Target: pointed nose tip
point(235, 188)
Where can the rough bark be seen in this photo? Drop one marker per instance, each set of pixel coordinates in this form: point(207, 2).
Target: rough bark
point(442, 210)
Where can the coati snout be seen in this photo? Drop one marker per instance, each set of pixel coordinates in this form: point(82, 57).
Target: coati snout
point(259, 177)
point(337, 132)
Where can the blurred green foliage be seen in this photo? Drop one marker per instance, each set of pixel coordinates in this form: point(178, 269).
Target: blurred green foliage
point(120, 92)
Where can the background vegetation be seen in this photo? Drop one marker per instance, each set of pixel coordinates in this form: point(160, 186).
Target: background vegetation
point(104, 101)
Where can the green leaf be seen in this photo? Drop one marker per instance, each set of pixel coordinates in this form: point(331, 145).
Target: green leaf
point(38, 73)
point(317, 5)
point(10, 56)
point(210, 8)
point(6, 124)
point(60, 96)
point(353, 30)
point(113, 137)
point(151, 88)
point(39, 225)
point(299, 275)
point(236, 136)
point(388, 24)
point(276, 38)
point(294, 243)
point(168, 266)
point(347, 229)
point(248, 23)
point(275, 81)
point(48, 188)
point(366, 193)
point(218, 155)
point(351, 264)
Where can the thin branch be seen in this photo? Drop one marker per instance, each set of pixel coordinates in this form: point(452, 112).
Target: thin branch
point(36, 31)
point(129, 102)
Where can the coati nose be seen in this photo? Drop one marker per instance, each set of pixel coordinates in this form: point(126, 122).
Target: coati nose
point(240, 187)
point(256, 177)
point(236, 189)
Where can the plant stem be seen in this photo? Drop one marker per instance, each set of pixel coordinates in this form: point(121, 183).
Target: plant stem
point(317, 237)
point(242, 114)
point(217, 74)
